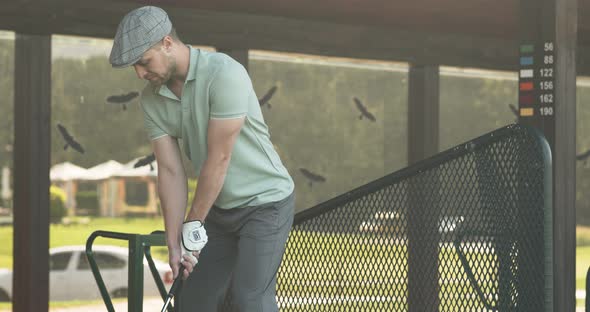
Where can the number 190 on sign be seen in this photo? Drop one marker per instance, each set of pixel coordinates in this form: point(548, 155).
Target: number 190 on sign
point(546, 111)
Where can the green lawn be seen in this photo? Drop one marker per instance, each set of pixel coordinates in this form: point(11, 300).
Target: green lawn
point(351, 270)
point(582, 255)
point(582, 265)
point(342, 264)
point(76, 234)
point(6, 306)
point(339, 276)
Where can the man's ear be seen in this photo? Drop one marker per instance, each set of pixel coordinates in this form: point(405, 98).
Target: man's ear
point(167, 42)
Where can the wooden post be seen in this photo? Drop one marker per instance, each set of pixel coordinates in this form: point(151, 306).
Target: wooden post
point(240, 55)
point(152, 201)
point(120, 204)
point(423, 112)
point(548, 65)
point(32, 110)
point(423, 237)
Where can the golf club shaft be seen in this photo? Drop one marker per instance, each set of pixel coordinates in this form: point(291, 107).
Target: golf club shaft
point(166, 304)
point(173, 288)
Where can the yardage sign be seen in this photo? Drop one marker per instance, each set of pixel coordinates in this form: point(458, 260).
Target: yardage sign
point(536, 96)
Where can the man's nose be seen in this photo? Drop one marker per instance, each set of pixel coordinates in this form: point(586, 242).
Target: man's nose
point(140, 71)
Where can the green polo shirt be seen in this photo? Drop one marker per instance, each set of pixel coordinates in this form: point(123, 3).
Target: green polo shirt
point(218, 87)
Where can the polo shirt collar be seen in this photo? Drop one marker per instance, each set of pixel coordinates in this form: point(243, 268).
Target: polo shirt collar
point(194, 56)
point(165, 92)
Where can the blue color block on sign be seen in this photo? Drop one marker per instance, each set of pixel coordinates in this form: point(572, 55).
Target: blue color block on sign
point(527, 60)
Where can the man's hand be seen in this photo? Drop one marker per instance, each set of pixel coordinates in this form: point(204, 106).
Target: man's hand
point(178, 255)
point(194, 236)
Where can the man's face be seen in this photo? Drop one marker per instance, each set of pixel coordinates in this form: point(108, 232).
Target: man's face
point(156, 65)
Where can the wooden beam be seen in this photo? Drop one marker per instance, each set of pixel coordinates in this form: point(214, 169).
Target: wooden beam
point(485, 18)
point(249, 31)
point(32, 99)
point(256, 31)
point(320, 38)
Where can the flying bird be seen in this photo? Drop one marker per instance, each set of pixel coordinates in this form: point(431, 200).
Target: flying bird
point(147, 160)
point(122, 99)
point(312, 177)
point(363, 110)
point(69, 139)
point(264, 100)
point(513, 109)
point(584, 156)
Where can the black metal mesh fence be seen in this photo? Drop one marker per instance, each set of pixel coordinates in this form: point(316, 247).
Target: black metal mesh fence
point(465, 230)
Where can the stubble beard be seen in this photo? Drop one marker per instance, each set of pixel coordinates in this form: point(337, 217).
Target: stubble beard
point(170, 70)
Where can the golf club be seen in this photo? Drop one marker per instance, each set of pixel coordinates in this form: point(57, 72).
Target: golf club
point(173, 288)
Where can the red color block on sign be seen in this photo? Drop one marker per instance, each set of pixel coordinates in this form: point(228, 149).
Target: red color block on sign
point(526, 99)
point(526, 86)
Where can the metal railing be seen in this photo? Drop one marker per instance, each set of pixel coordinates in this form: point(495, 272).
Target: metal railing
point(139, 245)
point(469, 229)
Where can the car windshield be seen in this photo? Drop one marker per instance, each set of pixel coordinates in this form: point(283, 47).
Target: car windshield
point(59, 261)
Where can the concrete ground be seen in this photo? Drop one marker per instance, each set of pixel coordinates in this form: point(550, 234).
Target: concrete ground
point(152, 304)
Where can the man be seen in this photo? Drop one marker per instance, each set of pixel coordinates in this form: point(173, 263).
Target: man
point(244, 200)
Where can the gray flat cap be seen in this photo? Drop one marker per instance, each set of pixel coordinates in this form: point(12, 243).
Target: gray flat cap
point(139, 30)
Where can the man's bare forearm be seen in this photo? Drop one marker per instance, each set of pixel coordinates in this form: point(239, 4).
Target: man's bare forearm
point(209, 185)
point(172, 189)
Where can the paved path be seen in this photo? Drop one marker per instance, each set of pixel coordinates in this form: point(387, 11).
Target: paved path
point(152, 304)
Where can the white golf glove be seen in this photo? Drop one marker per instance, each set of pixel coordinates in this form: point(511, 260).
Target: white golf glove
point(194, 237)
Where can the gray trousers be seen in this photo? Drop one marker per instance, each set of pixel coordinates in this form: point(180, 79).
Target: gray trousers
point(241, 259)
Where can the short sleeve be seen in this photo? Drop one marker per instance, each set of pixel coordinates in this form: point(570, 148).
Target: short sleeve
point(153, 130)
point(229, 92)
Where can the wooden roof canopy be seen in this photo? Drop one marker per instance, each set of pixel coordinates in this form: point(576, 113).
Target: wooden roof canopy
point(470, 33)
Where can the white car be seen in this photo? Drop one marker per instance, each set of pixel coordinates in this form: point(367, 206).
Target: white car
point(70, 276)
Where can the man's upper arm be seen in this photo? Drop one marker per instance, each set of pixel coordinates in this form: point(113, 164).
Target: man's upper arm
point(221, 136)
point(230, 93)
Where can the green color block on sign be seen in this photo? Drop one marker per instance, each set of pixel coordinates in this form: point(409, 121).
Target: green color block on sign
point(527, 48)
